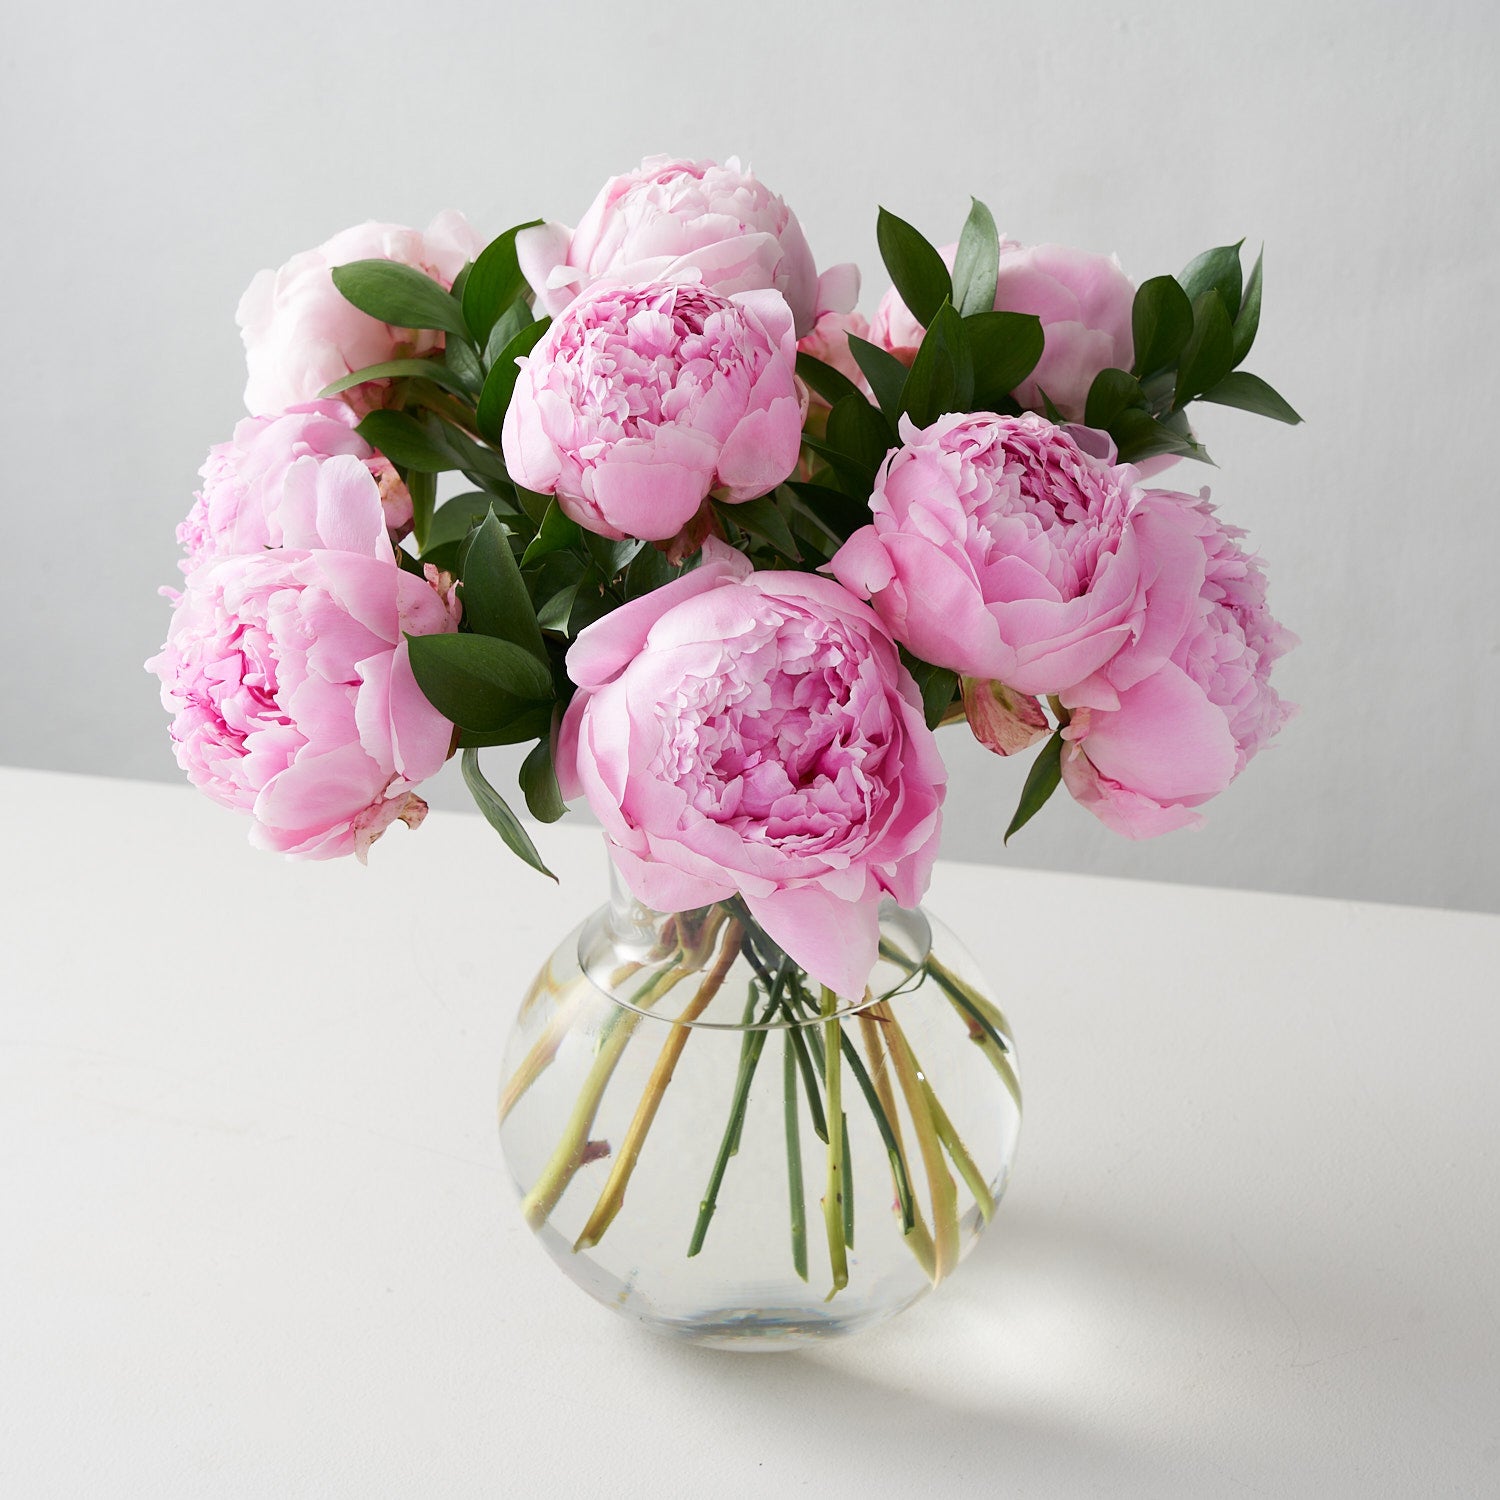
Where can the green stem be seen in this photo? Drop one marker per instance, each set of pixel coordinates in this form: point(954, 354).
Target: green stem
point(794, 1157)
point(750, 1050)
point(613, 1195)
point(566, 1159)
point(450, 410)
point(846, 1188)
point(952, 1142)
point(809, 1074)
point(833, 1194)
point(988, 1027)
point(887, 1133)
point(917, 1235)
point(940, 1183)
point(544, 1050)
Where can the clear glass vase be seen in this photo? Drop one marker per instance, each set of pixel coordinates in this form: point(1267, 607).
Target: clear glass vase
point(708, 1142)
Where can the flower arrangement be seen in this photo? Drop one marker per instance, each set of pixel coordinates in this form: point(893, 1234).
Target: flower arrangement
point(727, 556)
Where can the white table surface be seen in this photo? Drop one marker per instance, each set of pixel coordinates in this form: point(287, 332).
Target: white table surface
point(255, 1237)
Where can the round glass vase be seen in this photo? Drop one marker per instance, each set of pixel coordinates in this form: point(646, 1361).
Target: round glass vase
point(710, 1143)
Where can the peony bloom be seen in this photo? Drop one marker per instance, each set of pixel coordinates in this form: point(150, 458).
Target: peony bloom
point(239, 507)
point(288, 676)
point(755, 733)
point(1150, 741)
point(999, 548)
point(1083, 300)
point(673, 218)
point(301, 335)
point(641, 400)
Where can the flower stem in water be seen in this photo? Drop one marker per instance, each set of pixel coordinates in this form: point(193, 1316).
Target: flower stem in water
point(939, 1179)
point(750, 1050)
point(613, 1195)
point(794, 1157)
point(567, 1157)
point(833, 1194)
point(917, 1235)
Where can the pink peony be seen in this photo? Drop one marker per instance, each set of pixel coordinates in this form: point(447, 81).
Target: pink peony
point(999, 548)
point(288, 676)
point(301, 335)
point(755, 733)
point(641, 400)
point(1083, 300)
point(673, 218)
point(1150, 741)
point(239, 507)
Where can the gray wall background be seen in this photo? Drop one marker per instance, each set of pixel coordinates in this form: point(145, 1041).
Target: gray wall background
point(157, 155)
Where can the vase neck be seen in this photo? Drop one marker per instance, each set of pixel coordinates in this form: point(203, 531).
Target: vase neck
point(625, 943)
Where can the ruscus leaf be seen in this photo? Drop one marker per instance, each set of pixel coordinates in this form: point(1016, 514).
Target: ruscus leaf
point(498, 815)
point(493, 283)
point(976, 265)
point(1041, 782)
point(399, 295)
point(921, 279)
point(494, 593)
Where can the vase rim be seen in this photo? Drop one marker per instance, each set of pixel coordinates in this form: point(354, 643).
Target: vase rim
point(622, 941)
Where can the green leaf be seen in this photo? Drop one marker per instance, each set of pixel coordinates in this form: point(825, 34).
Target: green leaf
point(937, 695)
point(456, 518)
point(469, 456)
point(1041, 782)
point(463, 363)
point(1215, 271)
point(515, 317)
point(840, 514)
point(556, 533)
point(648, 571)
point(610, 557)
point(921, 279)
point(852, 476)
point(1139, 435)
point(1005, 347)
point(422, 488)
point(558, 610)
point(498, 815)
point(1209, 355)
point(1161, 323)
point(399, 295)
point(832, 385)
point(591, 604)
point(538, 780)
point(942, 375)
point(1110, 394)
point(976, 266)
point(858, 429)
point(1050, 411)
point(494, 282)
point(1247, 320)
point(1251, 393)
point(477, 681)
point(764, 521)
point(404, 441)
point(886, 374)
point(517, 731)
point(501, 381)
point(937, 686)
point(494, 593)
point(395, 369)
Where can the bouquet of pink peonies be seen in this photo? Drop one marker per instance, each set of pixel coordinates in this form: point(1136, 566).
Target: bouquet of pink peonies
point(652, 497)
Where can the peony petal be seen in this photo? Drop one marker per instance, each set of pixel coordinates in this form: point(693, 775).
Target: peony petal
point(836, 941)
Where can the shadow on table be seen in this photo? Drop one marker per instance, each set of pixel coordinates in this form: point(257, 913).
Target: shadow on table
point(1083, 1347)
